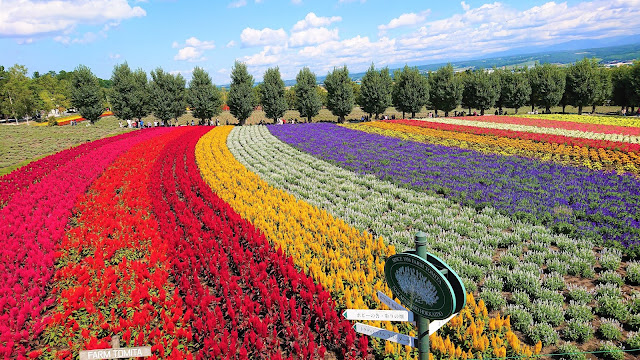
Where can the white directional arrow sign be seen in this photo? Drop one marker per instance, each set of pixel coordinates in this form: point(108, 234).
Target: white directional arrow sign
point(434, 325)
point(385, 334)
point(392, 304)
point(378, 315)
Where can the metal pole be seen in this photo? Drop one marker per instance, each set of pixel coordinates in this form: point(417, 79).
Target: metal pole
point(423, 323)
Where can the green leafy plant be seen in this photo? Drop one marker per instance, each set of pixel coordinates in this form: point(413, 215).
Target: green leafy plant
point(521, 298)
point(493, 299)
point(570, 352)
point(579, 294)
point(610, 351)
point(612, 307)
point(610, 329)
point(633, 340)
point(579, 312)
point(521, 319)
point(493, 282)
point(577, 330)
point(633, 273)
point(547, 312)
point(543, 332)
point(608, 290)
point(611, 277)
point(554, 281)
point(610, 259)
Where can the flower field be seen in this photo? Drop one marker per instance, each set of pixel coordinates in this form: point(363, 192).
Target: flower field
point(249, 242)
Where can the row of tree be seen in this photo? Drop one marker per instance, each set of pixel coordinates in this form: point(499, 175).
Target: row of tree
point(131, 95)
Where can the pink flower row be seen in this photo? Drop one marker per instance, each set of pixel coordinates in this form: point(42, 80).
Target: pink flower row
point(32, 223)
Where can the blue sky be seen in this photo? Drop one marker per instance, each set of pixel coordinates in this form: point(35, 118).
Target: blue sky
point(178, 35)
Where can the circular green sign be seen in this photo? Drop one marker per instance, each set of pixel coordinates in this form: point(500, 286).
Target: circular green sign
point(420, 286)
point(454, 280)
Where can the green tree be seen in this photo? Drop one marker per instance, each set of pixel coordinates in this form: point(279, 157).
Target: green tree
point(410, 91)
point(484, 89)
point(622, 93)
point(141, 96)
point(18, 99)
point(273, 99)
point(340, 99)
point(445, 89)
point(466, 78)
point(323, 95)
point(635, 80)
point(123, 88)
point(375, 92)
point(168, 95)
point(547, 86)
point(204, 96)
point(603, 92)
point(290, 97)
point(583, 83)
point(85, 94)
point(515, 90)
point(53, 93)
point(308, 101)
point(241, 93)
point(256, 95)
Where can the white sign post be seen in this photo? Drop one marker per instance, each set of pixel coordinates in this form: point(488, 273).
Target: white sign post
point(385, 334)
point(116, 352)
point(378, 315)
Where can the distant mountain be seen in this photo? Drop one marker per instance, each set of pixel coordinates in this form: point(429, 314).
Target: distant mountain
point(565, 53)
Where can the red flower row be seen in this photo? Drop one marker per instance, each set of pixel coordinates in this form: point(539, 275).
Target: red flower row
point(556, 139)
point(31, 224)
point(113, 267)
point(19, 180)
point(248, 300)
point(555, 124)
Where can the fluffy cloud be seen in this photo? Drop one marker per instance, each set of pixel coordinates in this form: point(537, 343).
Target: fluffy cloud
point(312, 37)
point(312, 21)
point(409, 19)
point(24, 18)
point(193, 49)
point(253, 37)
point(237, 3)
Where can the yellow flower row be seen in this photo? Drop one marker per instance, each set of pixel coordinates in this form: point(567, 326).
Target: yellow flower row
point(347, 262)
point(594, 158)
point(628, 121)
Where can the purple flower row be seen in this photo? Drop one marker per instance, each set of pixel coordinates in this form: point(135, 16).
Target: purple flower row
point(580, 202)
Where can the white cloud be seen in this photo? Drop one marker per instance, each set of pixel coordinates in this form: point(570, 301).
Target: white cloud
point(192, 50)
point(312, 36)
point(24, 18)
point(237, 3)
point(409, 19)
point(114, 56)
point(231, 44)
point(296, 2)
point(312, 20)
point(253, 37)
point(465, 6)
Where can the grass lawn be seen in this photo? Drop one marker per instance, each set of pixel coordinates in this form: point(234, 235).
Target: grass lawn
point(21, 144)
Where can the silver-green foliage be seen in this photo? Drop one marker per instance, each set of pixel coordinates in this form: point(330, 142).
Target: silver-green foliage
point(577, 330)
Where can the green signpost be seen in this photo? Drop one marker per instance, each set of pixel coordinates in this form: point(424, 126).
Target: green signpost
point(427, 286)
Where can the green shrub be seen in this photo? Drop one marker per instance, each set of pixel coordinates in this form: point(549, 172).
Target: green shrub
point(547, 312)
point(570, 352)
point(553, 281)
point(633, 340)
point(52, 121)
point(610, 259)
point(613, 308)
point(558, 265)
point(634, 322)
point(493, 299)
point(579, 294)
point(536, 257)
point(609, 351)
point(633, 273)
point(543, 332)
point(520, 298)
point(509, 261)
point(470, 285)
point(633, 305)
point(608, 290)
point(610, 277)
point(577, 330)
point(579, 312)
point(610, 329)
point(521, 319)
point(493, 282)
point(552, 296)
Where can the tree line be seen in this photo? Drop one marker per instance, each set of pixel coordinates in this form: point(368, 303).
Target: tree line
point(133, 95)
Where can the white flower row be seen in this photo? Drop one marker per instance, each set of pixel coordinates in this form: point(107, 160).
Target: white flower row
point(632, 139)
